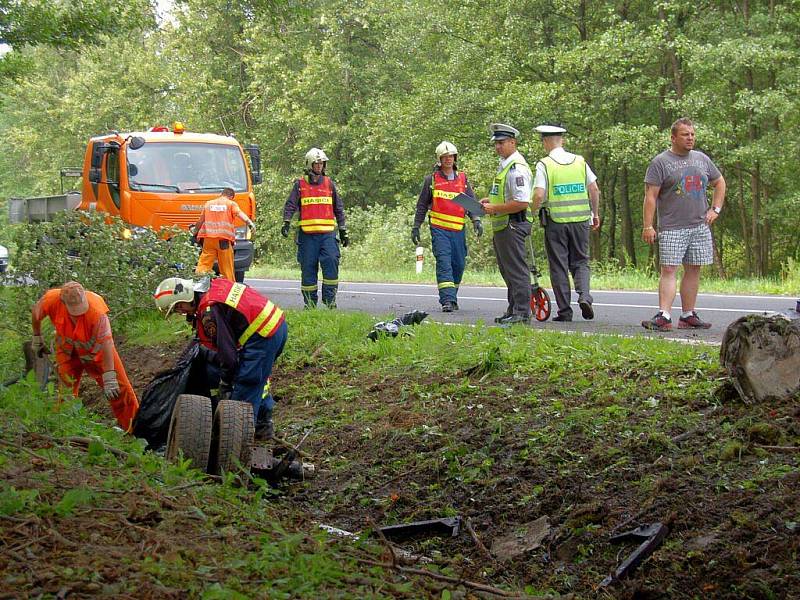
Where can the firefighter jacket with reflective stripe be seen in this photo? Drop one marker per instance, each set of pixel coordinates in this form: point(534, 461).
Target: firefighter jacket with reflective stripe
point(316, 206)
point(84, 337)
point(446, 214)
point(567, 196)
point(219, 217)
point(497, 195)
point(263, 316)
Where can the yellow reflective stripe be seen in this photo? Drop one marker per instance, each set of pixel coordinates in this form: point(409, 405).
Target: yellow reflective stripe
point(445, 195)
point(445, 217)
point(446, 284)
point(318, 229)
point(447, 225)
point(235, 294)
point(330, 281)
point(308, 288)
point(317, 222)
point(266, 388)
point(265, 321)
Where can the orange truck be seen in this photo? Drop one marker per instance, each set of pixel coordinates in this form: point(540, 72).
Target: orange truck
point(158, 178)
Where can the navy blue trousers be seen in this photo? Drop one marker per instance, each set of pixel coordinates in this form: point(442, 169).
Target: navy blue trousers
point(315, 250)
point(450, 250)
point(256, 359)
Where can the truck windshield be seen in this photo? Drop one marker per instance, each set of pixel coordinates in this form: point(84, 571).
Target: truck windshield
point(186, 167)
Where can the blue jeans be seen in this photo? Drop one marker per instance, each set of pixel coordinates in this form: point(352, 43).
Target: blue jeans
point(315, 250)
point(256, 359)
point(450, 250)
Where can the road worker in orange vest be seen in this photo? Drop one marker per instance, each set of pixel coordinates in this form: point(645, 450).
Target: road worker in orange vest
point(217, 228)
point(244, 328)
point(83, 342)
point(448, 222)
point(321, 209)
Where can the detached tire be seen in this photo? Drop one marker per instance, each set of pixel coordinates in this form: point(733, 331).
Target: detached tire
point(232, 437)
point(190, 430)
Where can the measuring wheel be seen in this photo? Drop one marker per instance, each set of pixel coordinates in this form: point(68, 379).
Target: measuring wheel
point(232, 439)
point(540, 303)
point(190, 430)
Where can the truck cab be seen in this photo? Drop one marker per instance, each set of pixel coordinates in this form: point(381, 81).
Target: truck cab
point(163, 177)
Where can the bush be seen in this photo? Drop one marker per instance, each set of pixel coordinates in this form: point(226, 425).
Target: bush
point(95, 250)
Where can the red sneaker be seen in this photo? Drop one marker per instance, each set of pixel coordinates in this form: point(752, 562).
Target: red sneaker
point(658, 323)
point(692, 322)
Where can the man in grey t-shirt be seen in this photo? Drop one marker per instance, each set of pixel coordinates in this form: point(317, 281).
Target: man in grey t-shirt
point(675, 187)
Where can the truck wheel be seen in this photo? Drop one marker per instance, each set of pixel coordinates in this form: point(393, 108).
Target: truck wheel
point(239, 276)
point(190, 430)
point(232, 438)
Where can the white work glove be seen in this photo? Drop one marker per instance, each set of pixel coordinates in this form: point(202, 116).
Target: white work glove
point(38, 347)
point(110, 385)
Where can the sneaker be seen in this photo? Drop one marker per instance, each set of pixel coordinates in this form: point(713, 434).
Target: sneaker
point(448, 306)
point(501, 317)
point(658, 323)
point(692, 322)
point(587, 312)
point(514, 319)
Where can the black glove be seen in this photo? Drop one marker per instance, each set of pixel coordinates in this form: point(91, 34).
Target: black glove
point(285, 229)
point(415, 234)
point(344, 237)
point(478, 227)
point(225, 390)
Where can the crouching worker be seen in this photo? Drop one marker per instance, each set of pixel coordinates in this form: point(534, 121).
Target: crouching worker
point(245, 329)
point(83, 342)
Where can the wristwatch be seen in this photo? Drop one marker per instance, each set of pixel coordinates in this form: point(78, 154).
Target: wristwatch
point(716, 209)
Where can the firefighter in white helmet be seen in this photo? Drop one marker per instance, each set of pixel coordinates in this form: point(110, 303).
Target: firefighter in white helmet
point(244, 328)
point(447, 222)
point(321, 209)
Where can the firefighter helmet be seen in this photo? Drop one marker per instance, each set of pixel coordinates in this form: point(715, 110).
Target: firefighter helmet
point(171, 291)
point(316, 155)
point(444, 149)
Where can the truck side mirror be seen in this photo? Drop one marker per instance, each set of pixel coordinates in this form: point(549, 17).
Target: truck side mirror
point(136, 142)
point(255, 162)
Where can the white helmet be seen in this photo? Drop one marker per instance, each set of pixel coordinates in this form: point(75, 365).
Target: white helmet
point(316, 155)
point(443, 149)
point(171, 291)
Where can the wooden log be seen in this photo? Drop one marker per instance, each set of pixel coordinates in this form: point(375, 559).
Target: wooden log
point(761, 354)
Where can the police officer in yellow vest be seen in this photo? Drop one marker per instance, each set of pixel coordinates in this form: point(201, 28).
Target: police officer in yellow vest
point(507, 205)
point(566, 188)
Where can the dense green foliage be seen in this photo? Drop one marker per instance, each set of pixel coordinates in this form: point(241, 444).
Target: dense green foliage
point(125, 269)
point(378, 86)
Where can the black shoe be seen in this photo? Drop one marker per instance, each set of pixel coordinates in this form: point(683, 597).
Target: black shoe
point(448, 307)
point(586, 310)
point(562, 319)
point(501, 317)
point(455, 305)
point(265, 431)
point(514, 319)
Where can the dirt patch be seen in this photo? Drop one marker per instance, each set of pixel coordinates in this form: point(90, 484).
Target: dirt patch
point(387, 454)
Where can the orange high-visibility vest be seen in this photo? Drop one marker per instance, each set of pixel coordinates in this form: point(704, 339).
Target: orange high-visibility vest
point(446, 214)
point(263, 316)
point(219, 217)
point(316, 206)
point(79, 337)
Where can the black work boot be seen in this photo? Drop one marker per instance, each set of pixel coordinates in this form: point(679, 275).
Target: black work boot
point(448, 306)
point(265, 431)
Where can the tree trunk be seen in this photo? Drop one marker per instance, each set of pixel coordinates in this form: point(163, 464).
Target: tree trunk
point(672, 57)
point(627, 218)
point(612, 214)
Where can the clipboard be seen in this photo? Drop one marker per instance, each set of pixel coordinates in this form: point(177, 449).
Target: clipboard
point(469, 204)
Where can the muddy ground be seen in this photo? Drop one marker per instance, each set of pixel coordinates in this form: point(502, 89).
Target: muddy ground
point(391, 455)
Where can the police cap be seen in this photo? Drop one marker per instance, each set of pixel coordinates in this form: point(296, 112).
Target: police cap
point(549, 129)
point(501, 131)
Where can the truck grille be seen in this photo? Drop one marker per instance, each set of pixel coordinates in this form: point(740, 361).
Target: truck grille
point(182, 219)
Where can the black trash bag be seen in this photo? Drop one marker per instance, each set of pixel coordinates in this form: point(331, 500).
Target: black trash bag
point(158, 398)
point(392, 328)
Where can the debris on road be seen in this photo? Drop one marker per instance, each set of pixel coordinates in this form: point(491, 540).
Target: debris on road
point(652, 535)
point(392, 328)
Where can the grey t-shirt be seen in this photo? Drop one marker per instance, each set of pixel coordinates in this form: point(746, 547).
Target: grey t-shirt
point(682, 200)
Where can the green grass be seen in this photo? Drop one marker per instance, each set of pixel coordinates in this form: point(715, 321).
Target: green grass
point(602, 279)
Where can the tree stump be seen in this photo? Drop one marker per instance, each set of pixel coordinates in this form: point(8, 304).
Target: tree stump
point(761, 354)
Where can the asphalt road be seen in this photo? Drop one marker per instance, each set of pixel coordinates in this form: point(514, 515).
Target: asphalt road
point(616, 312)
